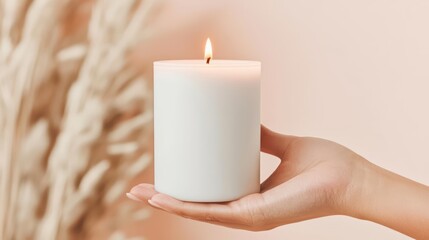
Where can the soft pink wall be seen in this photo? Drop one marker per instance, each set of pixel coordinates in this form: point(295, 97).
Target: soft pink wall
point(356, 72)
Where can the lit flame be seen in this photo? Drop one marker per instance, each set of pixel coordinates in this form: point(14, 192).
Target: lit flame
point(208, 54)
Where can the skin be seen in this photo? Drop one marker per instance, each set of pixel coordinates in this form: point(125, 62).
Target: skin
point(315, 178)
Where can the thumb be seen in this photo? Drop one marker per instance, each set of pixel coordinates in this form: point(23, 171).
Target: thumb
point(274, 143)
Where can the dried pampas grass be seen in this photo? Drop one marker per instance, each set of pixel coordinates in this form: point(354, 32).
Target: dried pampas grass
point(75, 118)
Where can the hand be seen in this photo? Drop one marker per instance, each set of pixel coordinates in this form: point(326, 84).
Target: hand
point(311, 181)
point(315, 178)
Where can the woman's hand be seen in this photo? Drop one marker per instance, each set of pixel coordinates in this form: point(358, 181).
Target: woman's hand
point(315, 178)
point(311, 181)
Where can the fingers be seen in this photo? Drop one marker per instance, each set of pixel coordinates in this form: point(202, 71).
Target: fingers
point(274, 143)
point(142, 192)
point(221, 212)
point(211, 212)
point(234, 214)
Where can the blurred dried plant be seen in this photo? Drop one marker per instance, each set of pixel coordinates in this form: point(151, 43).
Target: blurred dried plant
point(75, 118)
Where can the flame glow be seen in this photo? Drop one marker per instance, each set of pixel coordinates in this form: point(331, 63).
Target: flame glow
point(208, 54)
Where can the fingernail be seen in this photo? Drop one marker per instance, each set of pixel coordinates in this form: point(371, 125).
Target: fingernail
point(133, 197)
point(142, 191)
point(154, 204)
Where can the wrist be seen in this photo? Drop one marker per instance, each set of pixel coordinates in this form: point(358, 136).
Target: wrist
point(362, 187)
point(366, 191)
point(380, 196)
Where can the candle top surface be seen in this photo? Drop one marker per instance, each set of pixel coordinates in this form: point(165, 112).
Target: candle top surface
point(202, 63)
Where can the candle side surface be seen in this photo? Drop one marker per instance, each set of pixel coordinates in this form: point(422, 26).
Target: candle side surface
point(207, 129)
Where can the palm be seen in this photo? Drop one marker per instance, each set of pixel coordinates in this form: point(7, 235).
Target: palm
point(303, 186)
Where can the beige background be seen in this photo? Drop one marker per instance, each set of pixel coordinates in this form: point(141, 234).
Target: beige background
point(356, 72)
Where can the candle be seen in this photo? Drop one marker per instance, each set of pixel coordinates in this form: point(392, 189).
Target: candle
point(207, 128)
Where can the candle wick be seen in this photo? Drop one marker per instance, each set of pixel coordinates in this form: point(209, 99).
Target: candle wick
point(208, 60)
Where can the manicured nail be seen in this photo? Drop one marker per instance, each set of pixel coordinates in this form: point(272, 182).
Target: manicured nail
point(143, 191)
point(154, 204)
point(133, 197)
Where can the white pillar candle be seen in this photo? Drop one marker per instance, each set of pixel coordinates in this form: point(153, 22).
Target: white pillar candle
point(207, 129)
